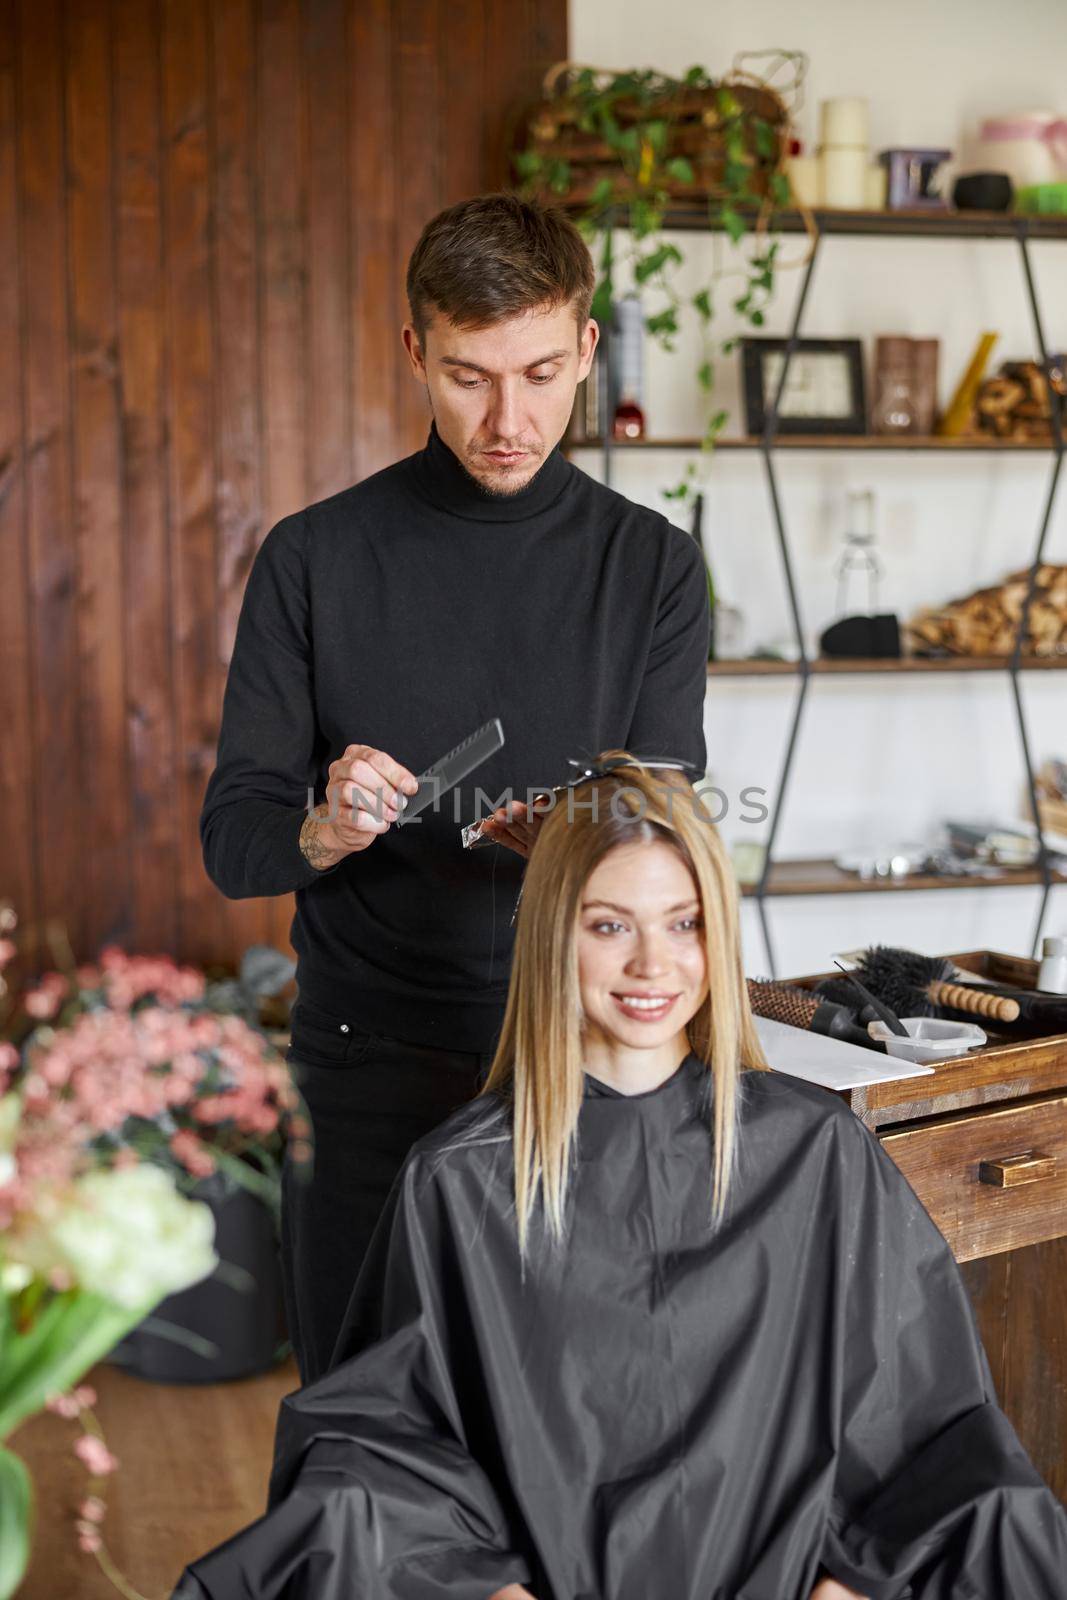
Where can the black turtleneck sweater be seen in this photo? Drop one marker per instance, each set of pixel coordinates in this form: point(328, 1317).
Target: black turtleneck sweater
point(402, 613)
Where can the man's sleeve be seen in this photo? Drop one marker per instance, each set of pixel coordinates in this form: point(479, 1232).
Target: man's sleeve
point(934, 1495)
point(669, 717)
point(256, 798)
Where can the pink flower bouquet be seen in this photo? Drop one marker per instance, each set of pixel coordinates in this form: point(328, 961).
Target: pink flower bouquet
point(136, 1058)
point(122, 1083)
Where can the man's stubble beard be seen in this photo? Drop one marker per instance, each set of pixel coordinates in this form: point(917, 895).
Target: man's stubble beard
point(491, 491)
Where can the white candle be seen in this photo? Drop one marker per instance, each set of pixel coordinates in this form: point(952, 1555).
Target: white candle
point(844, 179)
point(844, 121)
point(804, 174)
point(875, 187)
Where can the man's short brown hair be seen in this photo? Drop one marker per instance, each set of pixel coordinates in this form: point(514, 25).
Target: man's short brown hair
point(493, 256)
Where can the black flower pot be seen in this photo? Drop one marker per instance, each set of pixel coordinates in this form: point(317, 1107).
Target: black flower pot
point(230, 1325)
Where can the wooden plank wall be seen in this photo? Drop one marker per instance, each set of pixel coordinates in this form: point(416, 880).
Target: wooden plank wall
point(206, 208)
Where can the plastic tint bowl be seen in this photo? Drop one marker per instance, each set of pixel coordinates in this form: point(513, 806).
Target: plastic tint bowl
point(929, 1038)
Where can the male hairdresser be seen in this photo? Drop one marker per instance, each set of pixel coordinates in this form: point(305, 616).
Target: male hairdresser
point(485, 576)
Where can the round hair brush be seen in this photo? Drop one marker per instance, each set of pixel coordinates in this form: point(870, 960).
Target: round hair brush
point(921, 986)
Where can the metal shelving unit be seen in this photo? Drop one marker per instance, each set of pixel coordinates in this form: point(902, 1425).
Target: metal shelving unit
point(816, 877)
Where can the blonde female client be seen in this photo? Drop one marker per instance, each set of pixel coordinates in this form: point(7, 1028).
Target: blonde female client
point(646, 1320)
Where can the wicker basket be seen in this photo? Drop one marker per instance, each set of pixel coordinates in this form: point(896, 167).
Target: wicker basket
point(1053, 815)
point(1051, 801)
point(694, 130)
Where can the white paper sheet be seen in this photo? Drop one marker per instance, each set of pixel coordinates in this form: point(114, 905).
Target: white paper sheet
point(834, 1063)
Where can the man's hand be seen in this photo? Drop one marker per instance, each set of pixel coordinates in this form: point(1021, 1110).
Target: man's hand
point(517, 826)
point(830, 1589)
point(363, 799)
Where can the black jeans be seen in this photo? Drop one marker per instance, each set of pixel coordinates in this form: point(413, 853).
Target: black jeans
point(369, 1098)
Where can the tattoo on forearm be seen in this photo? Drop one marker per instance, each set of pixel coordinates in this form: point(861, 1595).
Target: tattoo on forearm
point(315, 851)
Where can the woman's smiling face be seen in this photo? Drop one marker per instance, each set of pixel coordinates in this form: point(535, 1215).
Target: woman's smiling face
point(642, 969)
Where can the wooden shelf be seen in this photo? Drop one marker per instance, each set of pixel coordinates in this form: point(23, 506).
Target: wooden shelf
point(846, 666)
point(823, 877)
point(692, 217)
point(841, 441)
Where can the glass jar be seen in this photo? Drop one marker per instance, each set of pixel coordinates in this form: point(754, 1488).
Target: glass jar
point(894, 409)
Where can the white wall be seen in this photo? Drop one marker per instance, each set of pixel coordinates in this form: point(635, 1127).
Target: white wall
point(878, 762)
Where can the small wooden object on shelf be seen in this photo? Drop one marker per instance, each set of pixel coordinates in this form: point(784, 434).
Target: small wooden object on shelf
point(986, 622)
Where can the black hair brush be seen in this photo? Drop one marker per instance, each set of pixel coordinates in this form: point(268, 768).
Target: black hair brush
point(842, 991)
point(913, 985)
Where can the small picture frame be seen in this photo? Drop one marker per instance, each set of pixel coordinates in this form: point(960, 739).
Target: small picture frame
point(824, 392)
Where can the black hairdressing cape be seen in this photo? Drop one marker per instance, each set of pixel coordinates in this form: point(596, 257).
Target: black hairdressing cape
point(657, 1412)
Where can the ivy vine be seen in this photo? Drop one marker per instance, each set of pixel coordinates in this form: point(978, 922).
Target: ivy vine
point(750, 146)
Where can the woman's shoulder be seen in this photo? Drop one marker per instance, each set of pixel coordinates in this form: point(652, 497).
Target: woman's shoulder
point(468, 1137)
point(778, 1098)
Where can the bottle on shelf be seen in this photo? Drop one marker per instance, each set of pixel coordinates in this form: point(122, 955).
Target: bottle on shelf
point(1052, 973)
point(628, 417)
point(857, 560)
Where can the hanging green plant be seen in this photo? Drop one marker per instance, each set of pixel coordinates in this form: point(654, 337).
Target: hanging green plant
point(619, 148)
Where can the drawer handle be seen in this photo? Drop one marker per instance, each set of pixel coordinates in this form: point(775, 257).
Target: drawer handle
point(1028, 1167)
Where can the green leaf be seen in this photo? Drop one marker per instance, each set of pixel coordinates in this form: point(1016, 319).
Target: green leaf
point(600, 309)
point(656, 134)
point(527, 163)
point(733, 224)
point(16, 1522)
point(645, 218)
point(706, 375)
point(742, 303)
point(756, 319)
point(602, 194)
point(628, 141)
point(702, 301)
point(663, 321)
point(74, 1330)
point(559, 176)
point(645, 266)
point(655, 261)
point(718, 421)
point(678, 167)
point(765, 140)
point(728, 346)
point(735, 178)
point(781, 193)
point(695, 77)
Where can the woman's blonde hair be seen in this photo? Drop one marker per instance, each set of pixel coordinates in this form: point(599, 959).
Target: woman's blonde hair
point(538, 1059)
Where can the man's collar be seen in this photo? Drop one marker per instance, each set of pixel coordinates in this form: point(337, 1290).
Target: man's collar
point(445, 481)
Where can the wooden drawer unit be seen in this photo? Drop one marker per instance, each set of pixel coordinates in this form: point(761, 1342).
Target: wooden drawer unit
point(983, 1142)
point(993, 1179)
